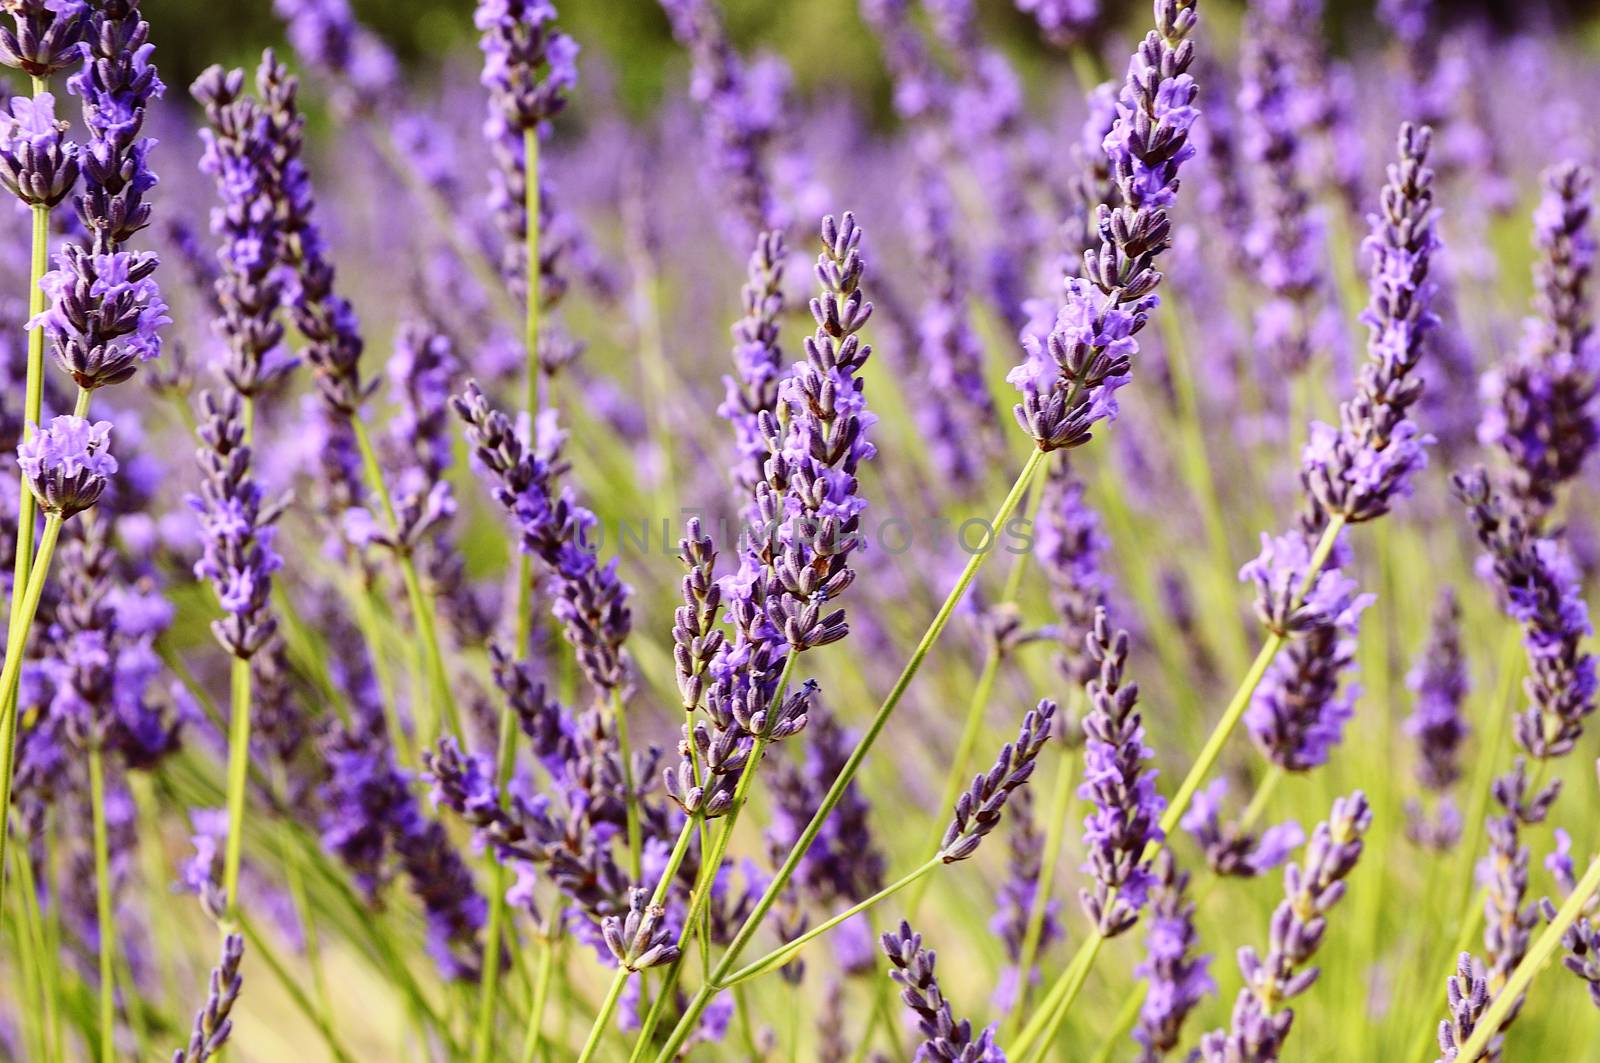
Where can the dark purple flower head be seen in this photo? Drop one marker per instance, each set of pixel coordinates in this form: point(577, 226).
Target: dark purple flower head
point(68, 464)
point(528, 65)
point(236, 527)
point(978, 810)
point(104, 316)
point(640, 939)
point(1281, 572)
point(1359, 468)
point(212, 1024)
point(1467, 994)
point(1178, 979)
point(116, 85)
point(757, 359)
point(1127, 808)
point(945, 1040)
point(1312, 887)
point(1069, 378)
point(1539, 586)
point(38, 164)
point(1297, 713)
point(1539, 406)
point(44, 37)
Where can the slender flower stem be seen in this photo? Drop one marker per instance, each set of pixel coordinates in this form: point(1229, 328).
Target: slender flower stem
point(1055, 835)
point(1042, 1027)
point(1258, 804)
point(102, 896)
point(421, 607)
point(961, 762)
point(238, 773)
point(781, 955)
point(1545, 947)
point(11, 674)
point(852, 765)
point(630, 797)
point(603, 1019)
point(553, 946)
point(35, 959)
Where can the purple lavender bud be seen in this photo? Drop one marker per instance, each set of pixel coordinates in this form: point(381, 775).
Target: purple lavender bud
point(1358, 469)
point(1229, 848)
point(1540, 588)
point(1297, 713)
point(116, 85)
point(1581, 940)
point(590, 601)
point(328, 39)
point(45, 38)
point(641, 939)
point(1127, 808)
point(1070, 379)
point(528, 65)
point(1178, 979)
point(1467, 994)
point(1281, 570)
point(236, 527)
point(38, 164)
point(978, 810)
point(1538, 407)
point(1260, 1026)
point(68, 464)
point(104, 315)
point(212, 1024)
point(944, 1039)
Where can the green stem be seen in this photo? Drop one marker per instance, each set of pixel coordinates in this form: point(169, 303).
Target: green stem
point(852, 765)
point(781, 955)
point(541, 994)
point(102, 894)
point(603, 1019)
point(1055, 835)
point(630, 797)
point(30, 959)
point(1258, 804)
point(11, 674)
point(238, 773)
point(1050, 1016)
point(421, 607)
point(1500, 1008)
point(1073, 980)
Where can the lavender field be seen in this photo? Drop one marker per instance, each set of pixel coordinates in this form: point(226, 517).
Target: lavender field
point(1039, 530)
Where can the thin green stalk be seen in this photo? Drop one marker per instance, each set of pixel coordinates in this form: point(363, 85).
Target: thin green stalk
point(1055, 835)
point(238, 773)
point(1258, 804)
point(1073, 980)
point(553, 947)
point(630, 797)
point(294, 878)
point(421, 607)
point(747, 1033)
point(603, 1019)
point(1545, 947)
point(30, 958)
point(781, 955)
point(1057, 1002)
point(102, 905)
point(1123, 1022)
point(852, 765)
point(11, 674)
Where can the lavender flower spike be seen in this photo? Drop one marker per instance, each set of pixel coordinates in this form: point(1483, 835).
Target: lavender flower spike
point(1070, 378)
point(1127, 809)
point(977, 811)
point(44, 40)
point(68, 464)
point(1358, 469)
point(212, 1024)
point(1179, 981)
point(1468, 995)
point(1311, 889)
point(944, 1039)
point(104, 315)
point(38, 164)
point(640, 939)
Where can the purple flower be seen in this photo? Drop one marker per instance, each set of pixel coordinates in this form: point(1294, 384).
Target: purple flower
point(1467, 992)
point(1178, 981)
point(1069, 381)
point(1540, 588)
point(1280, 572)
point(1127, 808)
point(212, 1024)
point(757, 359)
point(528, 65)
point(104, 316)
point(1069, 544)
point(67, 465)
point(1260, 1025)
point(328, 39)
point(1231, 849)
point(1062, 21)
point(945, 1040)
point(45, 40)
point(978, 809)
point(1539, 406)
point(38, 164)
